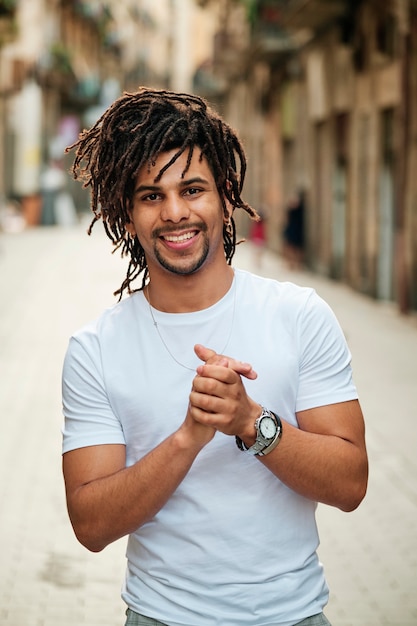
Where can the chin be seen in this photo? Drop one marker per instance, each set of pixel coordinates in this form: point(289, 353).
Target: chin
point(183, 269)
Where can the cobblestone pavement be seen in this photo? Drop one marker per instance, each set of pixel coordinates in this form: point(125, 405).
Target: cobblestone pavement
point(52, 281)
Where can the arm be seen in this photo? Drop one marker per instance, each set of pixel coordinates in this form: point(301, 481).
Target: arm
point(324, 459)
point(107, 500)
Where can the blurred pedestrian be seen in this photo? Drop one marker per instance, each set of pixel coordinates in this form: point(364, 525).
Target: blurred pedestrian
point(293, 233)
point(52, 184)
point(57, 203)
point(213, 470)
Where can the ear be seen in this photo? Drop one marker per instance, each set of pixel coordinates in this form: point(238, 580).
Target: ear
point(130, 227)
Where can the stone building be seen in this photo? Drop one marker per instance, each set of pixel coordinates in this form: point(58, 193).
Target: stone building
point(325, 95)
point(62, 62)
point(53, 68)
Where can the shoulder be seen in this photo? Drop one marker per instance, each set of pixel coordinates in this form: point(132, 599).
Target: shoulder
point(298, 308)
point(113, 322)
point(268, 290)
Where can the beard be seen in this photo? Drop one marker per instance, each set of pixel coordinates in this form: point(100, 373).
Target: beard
point(181, 267)
point(185, 263)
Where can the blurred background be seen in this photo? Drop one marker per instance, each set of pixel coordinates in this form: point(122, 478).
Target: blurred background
point(324, 96)
point(322, 92)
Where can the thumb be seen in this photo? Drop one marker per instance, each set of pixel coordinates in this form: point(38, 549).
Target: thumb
point(204, 353)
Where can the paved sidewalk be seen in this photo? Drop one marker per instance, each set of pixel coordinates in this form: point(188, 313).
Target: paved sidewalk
point(54, 280)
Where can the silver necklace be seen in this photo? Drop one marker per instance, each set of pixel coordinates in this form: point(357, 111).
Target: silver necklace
point(173, 357)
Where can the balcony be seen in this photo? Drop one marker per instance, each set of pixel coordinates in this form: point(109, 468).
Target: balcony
point(8, 27)
point(7, 8)
point(312, 14)
point(280, 27)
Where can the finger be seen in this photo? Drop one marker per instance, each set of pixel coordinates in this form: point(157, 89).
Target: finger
point(212, 358)
point(217, 372)
point(210, 408)
point(244, 369)
point(204, 353)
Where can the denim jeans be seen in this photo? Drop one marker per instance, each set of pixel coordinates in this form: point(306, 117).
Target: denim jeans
point(134, 619)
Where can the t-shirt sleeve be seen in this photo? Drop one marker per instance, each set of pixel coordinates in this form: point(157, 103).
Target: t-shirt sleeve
point(325, 370)
point(88, 416)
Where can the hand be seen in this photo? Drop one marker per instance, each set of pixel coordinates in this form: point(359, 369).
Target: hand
point(218, 397)
point(197, 434)
point(210, 357)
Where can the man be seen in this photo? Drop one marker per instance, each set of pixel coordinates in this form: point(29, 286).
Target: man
point(171, 437)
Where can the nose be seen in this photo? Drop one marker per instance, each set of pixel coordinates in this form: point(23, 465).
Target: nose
point(175, 208)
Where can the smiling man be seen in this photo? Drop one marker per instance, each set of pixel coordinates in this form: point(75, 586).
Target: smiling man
point(208, 411)
point(190, 210)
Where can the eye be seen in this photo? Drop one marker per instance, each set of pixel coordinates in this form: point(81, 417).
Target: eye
point(192, 191)
point(151, 197)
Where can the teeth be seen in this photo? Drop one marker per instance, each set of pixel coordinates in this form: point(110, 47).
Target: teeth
point(177, 238)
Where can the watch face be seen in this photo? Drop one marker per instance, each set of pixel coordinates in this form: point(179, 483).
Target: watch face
point(267, 427)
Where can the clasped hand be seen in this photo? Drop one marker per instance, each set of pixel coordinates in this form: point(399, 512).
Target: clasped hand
point(218, 399)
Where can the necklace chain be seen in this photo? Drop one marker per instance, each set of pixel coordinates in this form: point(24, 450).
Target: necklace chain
point(173, 357)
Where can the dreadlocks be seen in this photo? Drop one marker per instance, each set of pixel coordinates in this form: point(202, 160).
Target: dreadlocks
point(132, 133)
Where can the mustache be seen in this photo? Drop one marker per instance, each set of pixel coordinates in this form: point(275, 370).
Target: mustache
point(167, 230)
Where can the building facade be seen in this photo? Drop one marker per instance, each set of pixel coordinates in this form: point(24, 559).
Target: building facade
point(326, 96)
point(62, 62)
point(323, 94)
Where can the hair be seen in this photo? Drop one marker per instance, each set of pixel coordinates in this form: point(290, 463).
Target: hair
point(132, 133)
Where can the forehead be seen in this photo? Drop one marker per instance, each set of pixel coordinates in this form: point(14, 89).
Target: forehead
point(179, 169)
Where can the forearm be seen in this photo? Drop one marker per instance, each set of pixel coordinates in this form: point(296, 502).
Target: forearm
point(112, 506)
point(324, 468)
point(324, 459)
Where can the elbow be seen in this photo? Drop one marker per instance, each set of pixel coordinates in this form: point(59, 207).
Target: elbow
point(351, 503)
point(353, 496)
point(91, 543)
point(89, 529)
point(88, 537)
point(92, 546)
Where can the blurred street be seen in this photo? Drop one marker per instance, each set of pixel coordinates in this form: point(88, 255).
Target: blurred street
point(53, 280)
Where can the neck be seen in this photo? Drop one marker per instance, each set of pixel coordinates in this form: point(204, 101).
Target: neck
point(184, 294)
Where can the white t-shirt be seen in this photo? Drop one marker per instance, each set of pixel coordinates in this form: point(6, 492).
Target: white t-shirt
point(233, 546)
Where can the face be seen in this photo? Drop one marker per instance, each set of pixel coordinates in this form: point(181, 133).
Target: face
point(178, 220)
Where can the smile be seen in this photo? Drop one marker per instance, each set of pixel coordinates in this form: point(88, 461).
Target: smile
point(179, 238)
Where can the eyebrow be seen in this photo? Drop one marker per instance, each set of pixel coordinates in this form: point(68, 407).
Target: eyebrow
point(183, 183)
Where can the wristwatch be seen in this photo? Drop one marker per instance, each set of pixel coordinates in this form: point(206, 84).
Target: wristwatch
point(268, 428)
